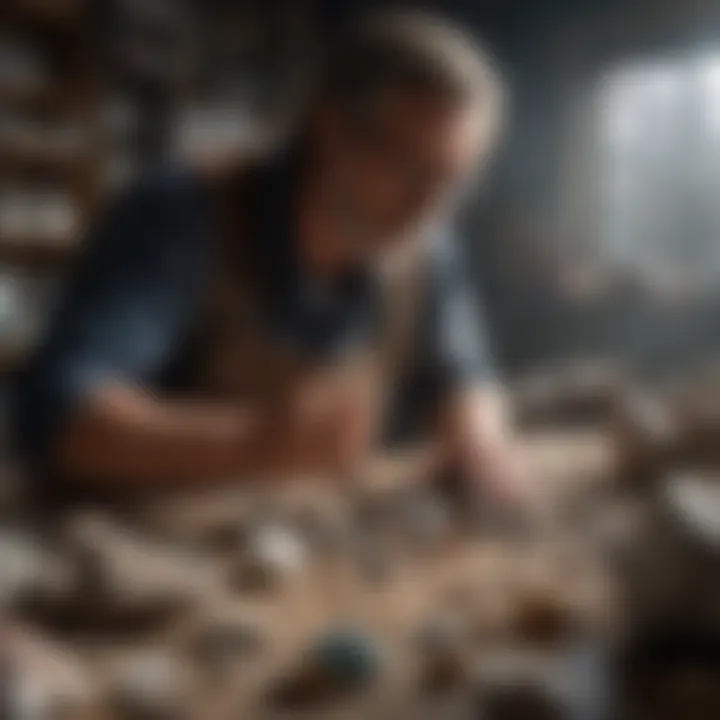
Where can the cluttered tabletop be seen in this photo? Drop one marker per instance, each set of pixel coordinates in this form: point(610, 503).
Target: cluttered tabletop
point(388, 598)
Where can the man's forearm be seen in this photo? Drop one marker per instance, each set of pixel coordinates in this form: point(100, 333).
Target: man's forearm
point(126, 436)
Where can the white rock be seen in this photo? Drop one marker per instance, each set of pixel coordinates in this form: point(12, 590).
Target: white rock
point(24, 565)
point(149, 685)
point(279, 548)
point(272, 554)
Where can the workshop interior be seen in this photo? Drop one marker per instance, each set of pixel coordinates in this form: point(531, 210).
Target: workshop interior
point(592, 246)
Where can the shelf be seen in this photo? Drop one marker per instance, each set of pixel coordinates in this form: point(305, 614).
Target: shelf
point(36, 251)
point(46, 14)
point(49, 154)
point(26, 95)
point(35, 157)
point(12, 357)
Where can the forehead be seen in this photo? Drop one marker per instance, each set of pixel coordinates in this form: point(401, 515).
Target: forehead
point(428, 122)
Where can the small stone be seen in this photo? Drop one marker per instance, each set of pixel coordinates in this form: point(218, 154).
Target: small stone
point(274, 553)
point(280, 547)
point(26, 567)
point(445, 672)
point(132, 577)
point(150, 686)
point(42, 681)
point(692, 502)
point(340, 663)
point(577, 681)
point(326, 531)
point(543, 619)
point(26, 698)
point(522, 700)
point(224, 537)
point(220, 645)
point(304, 689)
point(350, 659)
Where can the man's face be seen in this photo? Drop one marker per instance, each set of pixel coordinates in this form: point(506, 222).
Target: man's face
point(393, 170)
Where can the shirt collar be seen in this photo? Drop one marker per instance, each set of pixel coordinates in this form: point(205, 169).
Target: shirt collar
point(309, 311)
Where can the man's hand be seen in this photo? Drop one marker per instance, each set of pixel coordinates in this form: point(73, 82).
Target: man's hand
point(478, 439)
point(126, 440)
point(325, 426)
point(496, 469)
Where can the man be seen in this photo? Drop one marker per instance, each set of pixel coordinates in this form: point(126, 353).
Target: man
point(290, 297)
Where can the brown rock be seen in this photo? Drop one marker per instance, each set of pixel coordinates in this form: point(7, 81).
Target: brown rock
point(445, 671)
point(303, 690)
point(543, 619)
point(519, 701)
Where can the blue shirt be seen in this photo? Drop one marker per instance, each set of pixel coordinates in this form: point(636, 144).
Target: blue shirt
point(129, 311)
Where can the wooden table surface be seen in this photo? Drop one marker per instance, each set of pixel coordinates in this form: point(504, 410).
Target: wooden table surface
point(485, 579)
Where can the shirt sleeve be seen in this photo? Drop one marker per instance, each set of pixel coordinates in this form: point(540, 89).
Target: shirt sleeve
point(123, 313)
point(454, 346)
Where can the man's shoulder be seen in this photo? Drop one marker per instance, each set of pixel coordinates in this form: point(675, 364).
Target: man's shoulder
point(190, 187)
point(161, 218)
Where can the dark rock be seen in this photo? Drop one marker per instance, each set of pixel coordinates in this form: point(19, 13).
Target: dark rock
point(519, 701)
point(339, 664)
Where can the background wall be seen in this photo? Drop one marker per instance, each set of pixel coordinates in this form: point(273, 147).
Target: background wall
point(94, 92)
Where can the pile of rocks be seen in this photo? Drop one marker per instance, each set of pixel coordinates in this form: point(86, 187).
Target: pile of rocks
point(250, 605)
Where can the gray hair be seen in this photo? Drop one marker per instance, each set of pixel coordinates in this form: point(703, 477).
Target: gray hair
point(412, 50)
